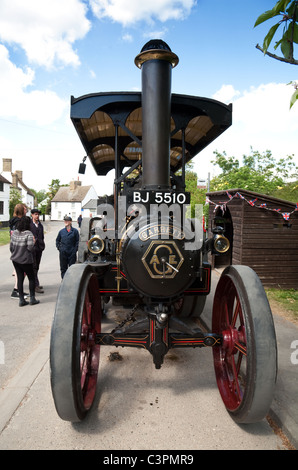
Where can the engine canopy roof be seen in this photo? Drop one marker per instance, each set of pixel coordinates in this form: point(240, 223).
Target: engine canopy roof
point(96, 117)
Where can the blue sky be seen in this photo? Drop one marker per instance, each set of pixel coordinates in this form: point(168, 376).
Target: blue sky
point(52, 49)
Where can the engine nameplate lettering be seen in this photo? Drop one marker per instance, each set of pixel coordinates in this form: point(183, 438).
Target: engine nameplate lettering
point(164, 230)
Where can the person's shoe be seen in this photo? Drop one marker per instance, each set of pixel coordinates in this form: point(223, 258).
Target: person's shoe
point(23, 302)
point(15, 294)
point(39, 290)
point(33, 301)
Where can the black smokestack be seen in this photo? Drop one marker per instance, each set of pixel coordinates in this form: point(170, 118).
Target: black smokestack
point(156, 60)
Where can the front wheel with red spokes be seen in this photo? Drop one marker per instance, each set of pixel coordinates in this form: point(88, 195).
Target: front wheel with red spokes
point(74, 354)
point(246, 361)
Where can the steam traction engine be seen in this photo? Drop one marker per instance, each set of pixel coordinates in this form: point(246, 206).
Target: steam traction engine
point(143, 251)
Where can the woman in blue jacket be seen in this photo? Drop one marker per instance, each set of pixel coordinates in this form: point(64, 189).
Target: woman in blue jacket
point(67, 242)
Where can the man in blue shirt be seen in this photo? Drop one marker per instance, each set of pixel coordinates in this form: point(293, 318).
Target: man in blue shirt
point(67, 242)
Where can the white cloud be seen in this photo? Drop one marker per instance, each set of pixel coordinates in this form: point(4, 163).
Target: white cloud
point(45, 30)
point(262, 113)
point(92, 74)
point(130, 12)
point(226, 94)
point(262, 120)
point(267, 109)
point(43, 107)
point(127, 37)
point(156, 34)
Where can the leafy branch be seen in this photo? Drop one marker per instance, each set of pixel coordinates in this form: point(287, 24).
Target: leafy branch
point(274, 56)
point(287, 11)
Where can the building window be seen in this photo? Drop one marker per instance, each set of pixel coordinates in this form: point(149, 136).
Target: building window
point(1, 207)
point(1, 186)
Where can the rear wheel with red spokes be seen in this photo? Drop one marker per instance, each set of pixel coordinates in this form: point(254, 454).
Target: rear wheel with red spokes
point(74, 354)
point(246, 361)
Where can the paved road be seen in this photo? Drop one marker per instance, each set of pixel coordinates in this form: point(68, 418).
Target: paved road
point(137, 407)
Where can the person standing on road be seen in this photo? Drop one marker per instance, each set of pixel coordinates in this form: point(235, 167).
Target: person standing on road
point(19, 211)
point(67, 242)
point(36, 228)
point(21, 248)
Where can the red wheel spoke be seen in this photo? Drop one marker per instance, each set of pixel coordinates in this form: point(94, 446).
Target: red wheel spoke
point(226, 311)
point(241, 348)
point(87, 310)
point(236, 386)
point(83, 369)
point(237, 312)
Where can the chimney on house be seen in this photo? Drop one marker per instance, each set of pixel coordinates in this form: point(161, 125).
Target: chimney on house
point(20, 174)
point(7, 164)
point(74, 184)
point(15, 180)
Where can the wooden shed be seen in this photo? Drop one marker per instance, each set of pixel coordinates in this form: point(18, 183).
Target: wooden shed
point(263, 234)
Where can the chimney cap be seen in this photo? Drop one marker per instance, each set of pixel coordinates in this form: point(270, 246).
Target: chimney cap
point(156, 49)
point(156, 44)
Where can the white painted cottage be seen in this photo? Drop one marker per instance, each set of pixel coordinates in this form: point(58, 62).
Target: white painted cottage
point(10, 180)
point(4, 199)
point(27, 195)
point(70, 200)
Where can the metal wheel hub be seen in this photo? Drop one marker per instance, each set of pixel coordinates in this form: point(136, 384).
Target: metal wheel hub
point(233, 339)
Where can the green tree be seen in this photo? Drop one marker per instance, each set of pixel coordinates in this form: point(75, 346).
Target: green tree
point(258, 172)
point(52, 190)
point(287, 13)
point(15, 197)
point(197, 195)
point(289, 192)
point(39, 195)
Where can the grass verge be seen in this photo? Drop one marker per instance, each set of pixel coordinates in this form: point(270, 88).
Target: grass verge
point(287, 298)
point(4, 236)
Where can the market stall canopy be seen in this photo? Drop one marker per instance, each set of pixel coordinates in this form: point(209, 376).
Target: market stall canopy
point(98, 118)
